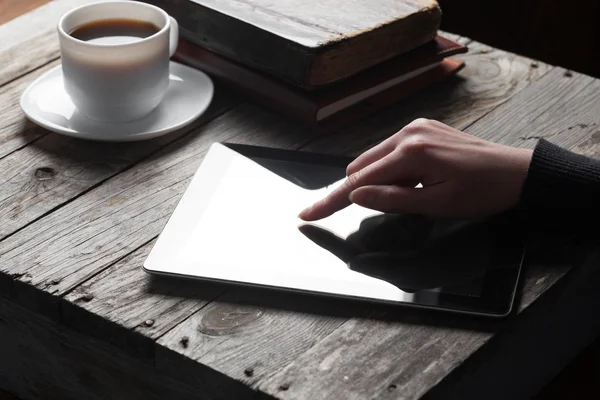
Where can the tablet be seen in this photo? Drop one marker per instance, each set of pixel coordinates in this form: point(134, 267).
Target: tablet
point(237, 223)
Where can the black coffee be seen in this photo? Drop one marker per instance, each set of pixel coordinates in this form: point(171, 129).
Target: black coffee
point(114, 31)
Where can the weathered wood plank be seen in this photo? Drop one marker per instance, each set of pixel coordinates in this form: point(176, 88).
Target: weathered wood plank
point(42, 359)
point(549, 107)
point(22, 50)
point(16, 130)
point(247, 341)
point(137, 301)
point(134, 297)
point(56, 169)
point(108, 222)
point(394, 354)
point(403, 354)
point(30, 41)
point(116, 297)
point(564, 110)
point(13, 65)
point(490, 78)
point(10, 9)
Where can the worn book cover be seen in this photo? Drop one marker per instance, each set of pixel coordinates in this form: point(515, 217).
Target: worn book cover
point(339, 104)
point(307, 43)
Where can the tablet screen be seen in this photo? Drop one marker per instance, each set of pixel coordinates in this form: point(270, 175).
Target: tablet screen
point(237, 222)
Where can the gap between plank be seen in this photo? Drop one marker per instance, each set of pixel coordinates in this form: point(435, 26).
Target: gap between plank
point(68, 291)
point(28, 72)
point(13, 80)
point(101, 182)
point(539, 115)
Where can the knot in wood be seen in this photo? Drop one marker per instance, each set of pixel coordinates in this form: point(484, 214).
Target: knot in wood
point(225, 319)
point(44, 173)
point(249, 371)
point(87, 297)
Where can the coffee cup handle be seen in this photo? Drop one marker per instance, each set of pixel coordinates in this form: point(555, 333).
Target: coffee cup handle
point(174, 38)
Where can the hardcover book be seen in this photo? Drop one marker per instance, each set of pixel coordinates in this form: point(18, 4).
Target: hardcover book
point(306, 43)
point(339, 104)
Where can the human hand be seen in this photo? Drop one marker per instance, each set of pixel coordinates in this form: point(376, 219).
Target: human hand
point(462, 176)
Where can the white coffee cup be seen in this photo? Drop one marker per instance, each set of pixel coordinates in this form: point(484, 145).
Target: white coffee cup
point(117, 82)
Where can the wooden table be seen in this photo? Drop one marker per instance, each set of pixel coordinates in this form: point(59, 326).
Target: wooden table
point(80, 319)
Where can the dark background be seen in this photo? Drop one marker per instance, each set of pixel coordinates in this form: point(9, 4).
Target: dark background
point(559, 32)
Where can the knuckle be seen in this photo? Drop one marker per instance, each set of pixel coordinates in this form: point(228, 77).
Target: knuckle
point(416, 126)
point(349, 170)
point(416, 144)
point(422, 121)
point(354, 180)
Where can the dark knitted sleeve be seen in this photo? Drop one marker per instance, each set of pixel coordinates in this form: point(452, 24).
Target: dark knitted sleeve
point(561, 184)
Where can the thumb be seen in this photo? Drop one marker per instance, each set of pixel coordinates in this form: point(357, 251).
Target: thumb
point(400, 199)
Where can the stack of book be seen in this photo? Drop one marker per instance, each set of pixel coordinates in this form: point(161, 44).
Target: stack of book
point(324, 62)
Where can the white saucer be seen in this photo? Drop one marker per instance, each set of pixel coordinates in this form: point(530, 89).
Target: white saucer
point(46, 103)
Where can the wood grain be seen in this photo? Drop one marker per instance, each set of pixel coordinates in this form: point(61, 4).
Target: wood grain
point(16, 130)
point(562, 109)
point(125, 295)
point(88, 218)
point(247, 342)
point(56, 169)
point(110, 221)
point(552, 107)
point(406, 354)
point(44, 360)
point(135, 301)
point(30, 41)
point(10, 9)
point(20, 60)
point(22, 50)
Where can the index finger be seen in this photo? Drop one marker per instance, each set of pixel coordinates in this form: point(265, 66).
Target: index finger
point(381, 172)
point(333, 202)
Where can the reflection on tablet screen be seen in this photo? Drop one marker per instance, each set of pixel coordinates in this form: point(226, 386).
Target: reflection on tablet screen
point(245, 229)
